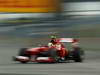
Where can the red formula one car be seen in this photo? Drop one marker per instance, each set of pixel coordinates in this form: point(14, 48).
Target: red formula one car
point(50, 54)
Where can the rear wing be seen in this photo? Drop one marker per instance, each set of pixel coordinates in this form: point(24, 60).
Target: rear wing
point(72, 40)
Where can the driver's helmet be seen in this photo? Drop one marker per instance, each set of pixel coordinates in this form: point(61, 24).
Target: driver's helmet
point(53, 37)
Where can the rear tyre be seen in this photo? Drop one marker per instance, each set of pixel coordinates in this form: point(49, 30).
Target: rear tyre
point(78, 55)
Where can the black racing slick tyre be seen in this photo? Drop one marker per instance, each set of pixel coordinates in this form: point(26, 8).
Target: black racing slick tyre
point(53, 54)
point(23, 62)
point(78, 55)
point(22, 52)
point(50, 53)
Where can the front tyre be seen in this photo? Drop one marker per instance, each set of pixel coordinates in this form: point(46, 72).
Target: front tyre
point(22, 52)
point(52, 52)
point(23, 62)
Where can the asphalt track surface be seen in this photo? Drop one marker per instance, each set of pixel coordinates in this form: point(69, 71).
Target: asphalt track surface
point(91, 65)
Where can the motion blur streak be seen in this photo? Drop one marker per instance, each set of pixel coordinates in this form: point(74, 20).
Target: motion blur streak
point(79, 20)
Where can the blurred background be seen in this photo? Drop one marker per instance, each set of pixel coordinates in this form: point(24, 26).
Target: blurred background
point(70, 19)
